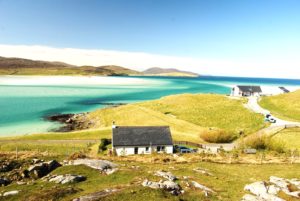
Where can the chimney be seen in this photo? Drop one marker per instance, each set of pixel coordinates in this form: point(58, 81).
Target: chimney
point(113, 125)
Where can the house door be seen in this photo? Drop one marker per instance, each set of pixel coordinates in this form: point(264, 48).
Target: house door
point(136, 150)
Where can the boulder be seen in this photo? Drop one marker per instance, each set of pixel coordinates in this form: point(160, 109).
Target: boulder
point(4, 182)
point(64, 179)
point(9, 193)
point(249, 197)
point(151, 184)
point(41, 169)
point(257, 188)
point(269, 191)
point(169, 186)
point(102, 165)
point(285, 184)
point(166, 175)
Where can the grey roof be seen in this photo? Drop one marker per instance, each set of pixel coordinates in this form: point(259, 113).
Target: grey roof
point(252, 89)
point(285, 90)
point(141, 135)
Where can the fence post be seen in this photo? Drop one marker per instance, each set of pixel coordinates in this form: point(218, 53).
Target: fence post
point(16, 153)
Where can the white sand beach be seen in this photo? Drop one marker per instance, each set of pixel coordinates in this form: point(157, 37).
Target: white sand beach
point(73, 80)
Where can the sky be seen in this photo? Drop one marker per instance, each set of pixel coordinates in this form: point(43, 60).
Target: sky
point(256, 38)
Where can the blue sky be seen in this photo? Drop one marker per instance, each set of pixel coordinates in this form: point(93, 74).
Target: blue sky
point(235, 30)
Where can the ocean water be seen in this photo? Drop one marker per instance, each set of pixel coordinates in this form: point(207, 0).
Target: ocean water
point(24, 102)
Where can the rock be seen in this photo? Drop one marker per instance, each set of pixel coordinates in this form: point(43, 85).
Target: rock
point(205, 189)
point(257, 188)
point(41, 169)
point(284, 185)
point(102, 165)
point(151, 184)
point(21, 182)
point(185, 177)
point(202, 171)
point(264, 192)
point(166, 175)
point(249, 197)
point(64, 179)
point(9, 193)
point(96, 195)
point(4, 182)
point(170, 186)
point(7, 165)
point(36, 160)
point(250, 151)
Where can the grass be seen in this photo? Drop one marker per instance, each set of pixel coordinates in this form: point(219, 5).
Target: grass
point(290, 137)
point(187, 115)
point(133, 115)
point(217, 136)
point(76, 135)
point(208, 110)
point(45, 148)
point(285, 106)
point(228, 181)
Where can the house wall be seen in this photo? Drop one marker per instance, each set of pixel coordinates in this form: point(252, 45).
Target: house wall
point(235, 91)
point(141, 150)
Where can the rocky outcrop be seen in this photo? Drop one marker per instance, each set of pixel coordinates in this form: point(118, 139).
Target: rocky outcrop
point(166, 175)
point(64, 179)
point(104, 166)
point(4, 181)
point(6, 165)
point(268, 191)
point(71, 122)
point(42, 169)
point(96, 195)
point(169, 186)
point(207, 191)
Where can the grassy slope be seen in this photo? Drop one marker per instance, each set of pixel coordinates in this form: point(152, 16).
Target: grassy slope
point(228, 181)
point(289, 137)
point(76, 135)
point(208, 110)
point(132, 115)
point(286, 106)
point(187, 115)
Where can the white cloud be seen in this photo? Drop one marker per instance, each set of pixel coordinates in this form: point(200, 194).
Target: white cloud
point(251, 67)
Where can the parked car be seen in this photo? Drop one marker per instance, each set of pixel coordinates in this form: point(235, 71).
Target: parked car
point(182, 149)
point(270, 119)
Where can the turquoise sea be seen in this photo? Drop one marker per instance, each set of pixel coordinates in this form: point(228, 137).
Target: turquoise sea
point(23, 106)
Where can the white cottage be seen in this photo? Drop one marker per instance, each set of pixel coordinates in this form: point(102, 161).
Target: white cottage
point(129, 140)
point(242, 90)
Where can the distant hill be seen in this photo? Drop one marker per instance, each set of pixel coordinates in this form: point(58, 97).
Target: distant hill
point(18, 66)
point(168, 72)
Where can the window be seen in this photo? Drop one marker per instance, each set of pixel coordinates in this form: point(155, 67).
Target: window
point(136, 150)
point(158, 148)
point(147, 149)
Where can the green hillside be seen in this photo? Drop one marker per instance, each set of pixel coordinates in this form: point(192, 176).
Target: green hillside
point(188, 115)
point(286, 106)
